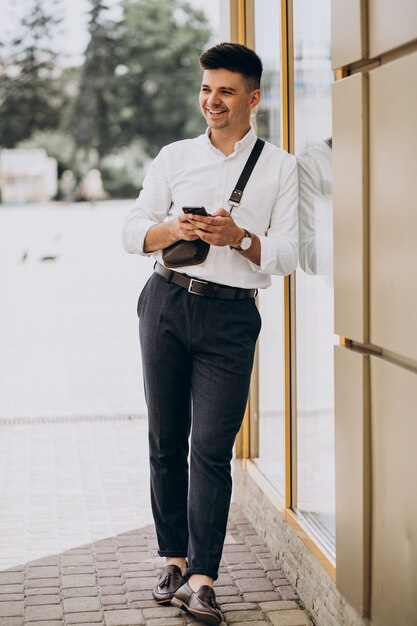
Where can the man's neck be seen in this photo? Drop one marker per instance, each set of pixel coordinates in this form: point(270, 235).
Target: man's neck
point(224, 140)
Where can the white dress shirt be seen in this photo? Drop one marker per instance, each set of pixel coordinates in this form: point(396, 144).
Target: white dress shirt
point(192, 172)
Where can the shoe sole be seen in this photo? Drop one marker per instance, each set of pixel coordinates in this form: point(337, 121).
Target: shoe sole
point(209, 618)
point(163, 601)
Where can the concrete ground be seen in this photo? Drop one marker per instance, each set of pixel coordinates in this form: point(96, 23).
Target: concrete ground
point(68, 325)
point(77, 543)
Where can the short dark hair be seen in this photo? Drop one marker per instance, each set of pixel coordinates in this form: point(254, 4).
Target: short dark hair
point(234, 57)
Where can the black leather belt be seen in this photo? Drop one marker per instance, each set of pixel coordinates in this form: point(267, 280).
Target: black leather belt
point(203, 287)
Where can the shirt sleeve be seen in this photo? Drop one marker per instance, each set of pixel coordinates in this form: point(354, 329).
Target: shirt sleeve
point(279, 247)
point(315, 212)
point(151, 207)
point(307, 192)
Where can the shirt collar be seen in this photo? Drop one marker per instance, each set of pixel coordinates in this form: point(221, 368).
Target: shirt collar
point(246, 141)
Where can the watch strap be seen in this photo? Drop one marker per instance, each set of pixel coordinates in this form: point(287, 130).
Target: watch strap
point(247, 234)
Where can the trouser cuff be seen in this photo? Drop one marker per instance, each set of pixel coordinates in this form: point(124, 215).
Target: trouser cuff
point(198, 570)
point(179, 554)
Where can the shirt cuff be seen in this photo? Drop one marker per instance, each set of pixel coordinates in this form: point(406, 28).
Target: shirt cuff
point(134, 238)
point(278, 256)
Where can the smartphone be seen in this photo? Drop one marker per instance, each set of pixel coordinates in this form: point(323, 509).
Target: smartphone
point(195, 210)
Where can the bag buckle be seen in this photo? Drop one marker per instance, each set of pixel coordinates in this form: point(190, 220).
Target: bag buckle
point(191, 285)
point(236, 197)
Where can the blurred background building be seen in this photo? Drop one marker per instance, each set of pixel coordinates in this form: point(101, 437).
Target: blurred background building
point(27, 176)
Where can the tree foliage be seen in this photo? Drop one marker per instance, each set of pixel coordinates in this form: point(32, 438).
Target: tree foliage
point(30, 98)
point(138, 85)
point(94, 122)
point(141, 76)
point(158, 47)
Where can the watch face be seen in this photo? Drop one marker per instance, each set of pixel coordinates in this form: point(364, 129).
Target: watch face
point(246, 242)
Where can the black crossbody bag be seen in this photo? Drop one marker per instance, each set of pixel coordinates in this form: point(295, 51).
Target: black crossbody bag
point(182, 252)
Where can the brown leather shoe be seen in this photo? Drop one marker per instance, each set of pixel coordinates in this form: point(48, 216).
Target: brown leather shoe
point(201, 603)
point(168, 582)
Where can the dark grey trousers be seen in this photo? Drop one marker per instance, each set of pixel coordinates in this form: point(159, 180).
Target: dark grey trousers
point(197, 355)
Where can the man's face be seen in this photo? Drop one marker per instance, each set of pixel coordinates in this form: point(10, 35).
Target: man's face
point(225, 100)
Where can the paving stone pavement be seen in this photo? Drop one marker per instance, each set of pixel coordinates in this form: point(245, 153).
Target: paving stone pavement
point(64, 484)
point(109, 583)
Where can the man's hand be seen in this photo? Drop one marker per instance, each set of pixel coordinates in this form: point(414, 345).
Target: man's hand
point(160, 236)
point(217, 229)
point(184, 228)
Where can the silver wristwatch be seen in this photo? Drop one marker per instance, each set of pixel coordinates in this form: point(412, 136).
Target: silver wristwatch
point(245, 243)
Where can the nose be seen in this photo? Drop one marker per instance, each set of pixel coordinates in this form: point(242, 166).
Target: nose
point(214, 99)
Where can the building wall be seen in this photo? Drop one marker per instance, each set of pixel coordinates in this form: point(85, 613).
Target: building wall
point(375, 254)
point(295, 553)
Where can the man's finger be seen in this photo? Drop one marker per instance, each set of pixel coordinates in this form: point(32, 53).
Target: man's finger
point(212, 238)
point(208, 221)
point(221, 212)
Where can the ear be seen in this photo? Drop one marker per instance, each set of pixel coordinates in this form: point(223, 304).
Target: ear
point(255, 99)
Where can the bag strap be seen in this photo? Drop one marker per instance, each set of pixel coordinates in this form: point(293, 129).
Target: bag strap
point(237, 193)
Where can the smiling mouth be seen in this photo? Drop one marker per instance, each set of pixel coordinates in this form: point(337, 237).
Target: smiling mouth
point(216, 112)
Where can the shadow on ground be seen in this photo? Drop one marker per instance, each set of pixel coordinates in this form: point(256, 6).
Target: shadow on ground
point(109, 583)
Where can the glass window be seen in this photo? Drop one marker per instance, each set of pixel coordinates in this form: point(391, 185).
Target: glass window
point(268, 46)
point(314, 488)
point(271, 389)
point(267, 447)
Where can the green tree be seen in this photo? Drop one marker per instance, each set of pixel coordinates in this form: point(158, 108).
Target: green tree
point(94, 123)
point(138, 87)
point(30, 98)
point(158, 44)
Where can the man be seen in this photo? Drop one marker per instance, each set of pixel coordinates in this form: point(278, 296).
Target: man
point(198, 326)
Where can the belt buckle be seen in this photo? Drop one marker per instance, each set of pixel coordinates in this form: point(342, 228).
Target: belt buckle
point(190, 286)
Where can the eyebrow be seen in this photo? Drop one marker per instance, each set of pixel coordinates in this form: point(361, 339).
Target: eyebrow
point(228, 88)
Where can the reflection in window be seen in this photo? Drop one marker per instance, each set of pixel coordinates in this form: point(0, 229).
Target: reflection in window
point(269, 451)
point(271, 400)
point(267, 45)
point(316, 210)
point(314, 279)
